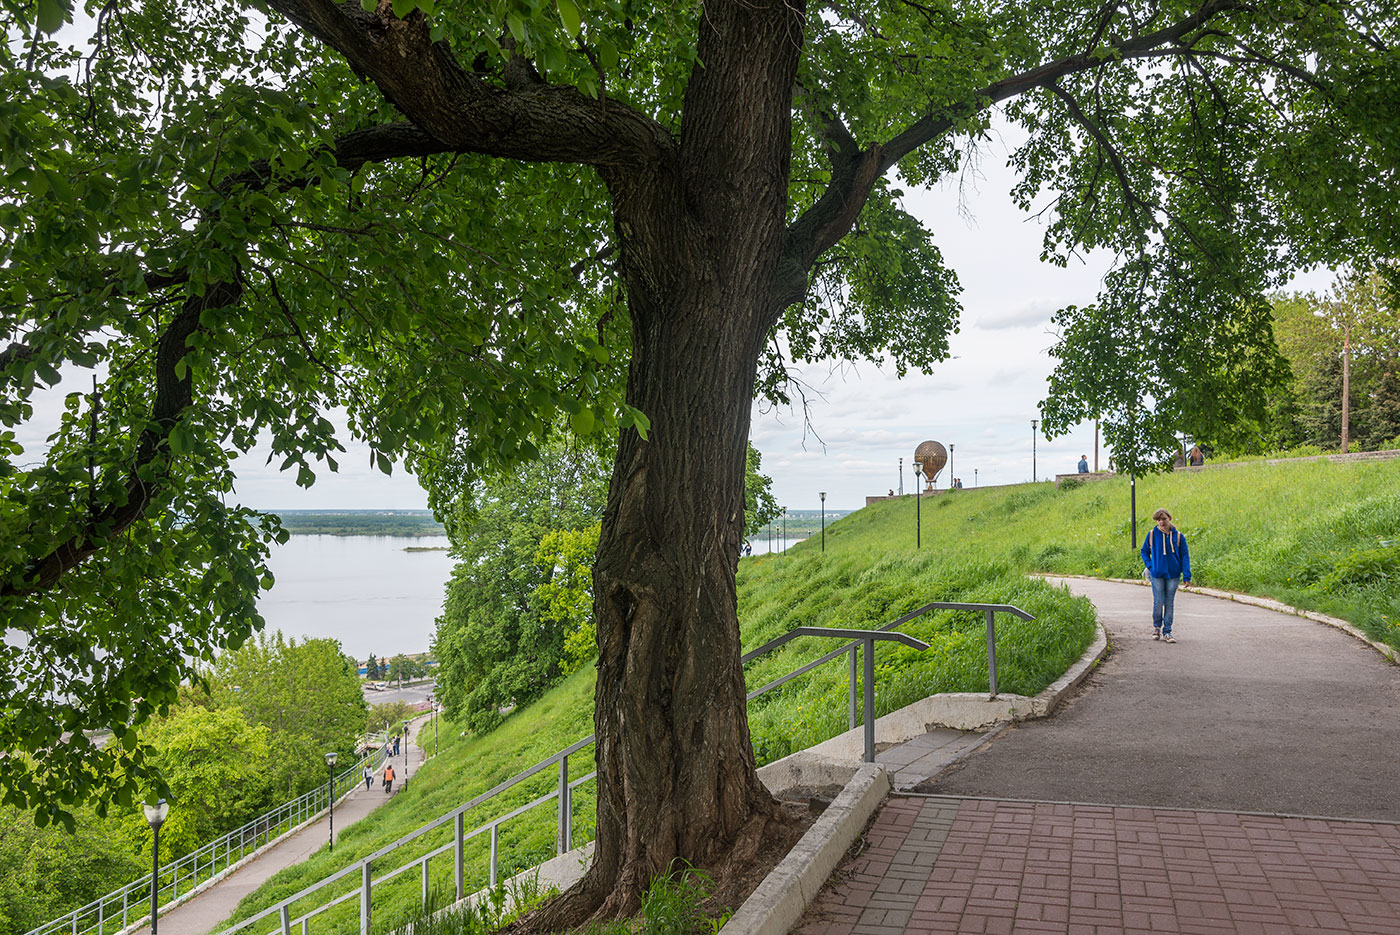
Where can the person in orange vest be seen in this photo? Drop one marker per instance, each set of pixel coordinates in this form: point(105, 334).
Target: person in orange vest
point(389, 779)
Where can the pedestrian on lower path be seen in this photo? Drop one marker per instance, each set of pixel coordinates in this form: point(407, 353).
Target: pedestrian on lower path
point(1168, 564)
point(389, 779)
point(369, 776)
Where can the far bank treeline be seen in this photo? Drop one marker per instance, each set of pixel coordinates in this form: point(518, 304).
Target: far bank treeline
point(252, 737)
point(518, 613)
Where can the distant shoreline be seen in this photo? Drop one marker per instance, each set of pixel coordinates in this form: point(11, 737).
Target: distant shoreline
point(413, 524)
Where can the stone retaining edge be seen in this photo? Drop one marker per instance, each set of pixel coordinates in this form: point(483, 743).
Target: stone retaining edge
point(783, 896)
point(962, 710)
point(1268, 603)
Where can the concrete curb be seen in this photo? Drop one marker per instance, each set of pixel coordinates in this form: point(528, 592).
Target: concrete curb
point(782, 897)
point(960, 711)
point(1268, 603)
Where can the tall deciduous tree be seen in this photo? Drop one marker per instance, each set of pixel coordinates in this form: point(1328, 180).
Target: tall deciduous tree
point(306, 694)
point(464, 223)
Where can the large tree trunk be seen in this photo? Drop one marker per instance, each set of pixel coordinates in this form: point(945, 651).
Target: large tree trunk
point(702, 239)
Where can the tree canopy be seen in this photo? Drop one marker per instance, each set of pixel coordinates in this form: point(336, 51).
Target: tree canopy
point(467, 225)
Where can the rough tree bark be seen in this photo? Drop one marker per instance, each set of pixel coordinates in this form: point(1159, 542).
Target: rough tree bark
point(702, 240)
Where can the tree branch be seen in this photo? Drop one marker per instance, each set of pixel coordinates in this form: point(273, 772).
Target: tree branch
point(831, 217)
point(173, 396)
point(530, 121)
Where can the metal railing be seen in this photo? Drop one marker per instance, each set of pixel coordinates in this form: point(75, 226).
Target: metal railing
point(130, 904)
point(361, 872)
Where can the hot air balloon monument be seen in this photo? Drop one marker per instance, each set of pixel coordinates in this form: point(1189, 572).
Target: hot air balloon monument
point(932, 456)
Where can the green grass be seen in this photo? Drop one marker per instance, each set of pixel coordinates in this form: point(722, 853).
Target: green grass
point(1313, 534)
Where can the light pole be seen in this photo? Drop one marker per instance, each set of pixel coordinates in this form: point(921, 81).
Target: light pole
point(405, 756)
point(823, 496)
point(434, 703)
point(918, 521)
point(1033, 422)
point(901, 477)
point(784, 530)
point(330, 795)
point(155, 817)
point(952, 481)
point(974, 477)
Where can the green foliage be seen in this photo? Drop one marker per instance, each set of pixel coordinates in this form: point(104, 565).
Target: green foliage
point(760, 508)
point(306, 694)
point(45, 872)
point(388, 715)
point(236, 227)
point(497, 642)
point(565, 598)
point(218, 768)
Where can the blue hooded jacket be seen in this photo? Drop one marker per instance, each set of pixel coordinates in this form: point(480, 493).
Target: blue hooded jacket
point(1166, 555)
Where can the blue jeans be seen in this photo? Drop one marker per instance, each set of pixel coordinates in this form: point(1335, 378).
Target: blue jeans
point(1163, 599)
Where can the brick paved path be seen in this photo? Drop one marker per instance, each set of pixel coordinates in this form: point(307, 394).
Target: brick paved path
point(935, 864)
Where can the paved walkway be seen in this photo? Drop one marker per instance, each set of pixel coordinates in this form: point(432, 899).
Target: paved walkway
point(1163, 754)
point(203, 913)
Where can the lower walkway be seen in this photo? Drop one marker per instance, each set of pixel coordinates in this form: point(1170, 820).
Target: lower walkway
point(205, 911)
point(1158, 798)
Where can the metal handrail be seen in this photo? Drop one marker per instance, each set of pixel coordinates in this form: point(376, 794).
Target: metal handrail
point(129, 905)
point(363, 868)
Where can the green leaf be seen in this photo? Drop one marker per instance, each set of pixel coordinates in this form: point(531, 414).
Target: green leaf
point(404, 7)
point(369, 6)
point(582, 421)
point(568, 12)
point(516, 26)
point(51, 15)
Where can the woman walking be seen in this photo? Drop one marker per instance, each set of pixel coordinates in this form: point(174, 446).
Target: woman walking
point(1168, 564)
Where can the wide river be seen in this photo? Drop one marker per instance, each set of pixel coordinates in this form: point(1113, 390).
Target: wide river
point(369, 592)
point(366, 591)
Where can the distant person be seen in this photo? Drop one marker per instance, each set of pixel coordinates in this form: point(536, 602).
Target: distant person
point(1198, 457)
point(396, 745)
point(369, 776)
point(389, 779)
point(748, 548)
point(1168, 565)
point(1083, 464)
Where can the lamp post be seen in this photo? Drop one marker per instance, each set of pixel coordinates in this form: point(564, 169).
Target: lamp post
point(155, 817)
point(952, 481)
point(823, 496)
point(784, 530)
point(433, 702)
point(405, 756)
point(901, 477)
point(918, 521)
point(330, 795)
point(1033, 423)
point(974, 477)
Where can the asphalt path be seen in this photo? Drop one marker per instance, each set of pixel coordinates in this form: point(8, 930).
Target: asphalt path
point(409, 694)
point(206, 912)
point(1251, 710)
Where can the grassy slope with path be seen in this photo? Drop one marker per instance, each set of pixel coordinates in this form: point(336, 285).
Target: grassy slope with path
point(1303, 533)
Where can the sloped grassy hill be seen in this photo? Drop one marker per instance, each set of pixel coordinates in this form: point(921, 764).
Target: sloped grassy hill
point(1316, 535)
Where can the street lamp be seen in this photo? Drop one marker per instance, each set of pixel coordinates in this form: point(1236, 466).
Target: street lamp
point(901, 477)
point(784, 530)
point(918, 521)
point(330, 794)
point(823, 496)
point(1033, 422)
point(433, 701)
point(974, 477)
point(405, 756)
point(155, 817)
point(952, 481)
